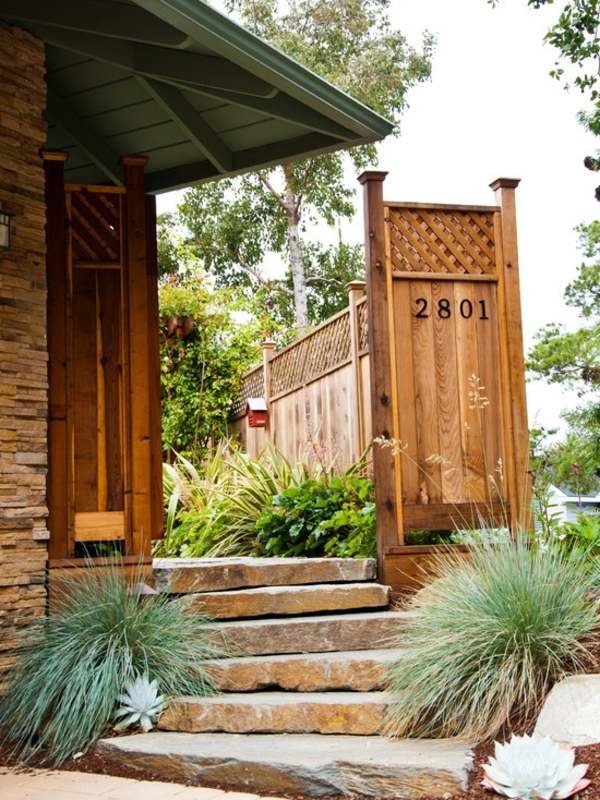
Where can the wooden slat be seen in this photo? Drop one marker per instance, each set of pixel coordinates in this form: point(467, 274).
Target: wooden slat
point(110, 310)
point(139, 355)
point(85, 417)
point(58, 449)
point(99, 526)
point(449, 516)
point(448, 409)
point(406, 392)
point(441, 206)
point(428, 443)
point(441, 276)
point(154, 370)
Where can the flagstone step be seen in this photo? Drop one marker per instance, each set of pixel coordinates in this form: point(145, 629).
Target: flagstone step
point(308, 765)
point(356, 713)
point(368, 630)
point(355, 670)
point(188, 575)
point(286, 600)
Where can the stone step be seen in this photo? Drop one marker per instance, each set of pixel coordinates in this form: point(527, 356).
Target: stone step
point(188, 575)
point(286, 600)
point(355, 670)
point(356, 713)
point(307, 765)
point(322, 633)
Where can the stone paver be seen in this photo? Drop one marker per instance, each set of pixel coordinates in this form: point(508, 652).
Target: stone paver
point(62, 785)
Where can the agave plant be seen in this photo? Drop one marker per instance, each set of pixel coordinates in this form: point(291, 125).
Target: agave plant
point(532, 767)
point(141, 704)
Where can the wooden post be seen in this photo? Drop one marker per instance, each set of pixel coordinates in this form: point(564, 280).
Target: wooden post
point(59, 479)
point(356, 290)
point(385, 466)
point(154, 368)
point(510, 301)
point(268, 348)
point(139, 354)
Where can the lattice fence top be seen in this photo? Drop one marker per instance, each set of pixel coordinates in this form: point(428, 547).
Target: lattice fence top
point(311, 356)
point(362, 319)
point(442, 240)
point(95, 227)
point(252, 386)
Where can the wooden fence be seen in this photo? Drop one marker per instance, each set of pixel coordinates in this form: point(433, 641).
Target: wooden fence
point(317, 391)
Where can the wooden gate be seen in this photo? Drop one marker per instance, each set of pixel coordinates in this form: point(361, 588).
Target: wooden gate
point(104, 483)
point(447, 370)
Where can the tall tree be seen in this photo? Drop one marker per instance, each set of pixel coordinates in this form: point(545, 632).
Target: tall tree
point(572, 359)
point(236, 225)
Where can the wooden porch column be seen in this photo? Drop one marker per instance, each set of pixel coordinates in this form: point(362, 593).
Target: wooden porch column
point(268, 351)
point(510, 301)
point(140, 484)
point(59, 478)
point(385, 468)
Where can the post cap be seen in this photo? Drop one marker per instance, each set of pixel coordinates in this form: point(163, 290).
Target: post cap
point(353, 286)
point(133, 161)
point(505, 183)
point(372, 175)
point(267, 344)
point(54, 155)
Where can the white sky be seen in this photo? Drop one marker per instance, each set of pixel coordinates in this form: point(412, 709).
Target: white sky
point(491, 110)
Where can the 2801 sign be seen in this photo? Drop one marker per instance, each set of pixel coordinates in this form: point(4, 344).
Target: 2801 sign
point(443, 308)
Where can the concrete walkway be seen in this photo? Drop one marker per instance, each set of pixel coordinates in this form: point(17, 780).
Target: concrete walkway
point(57, 785)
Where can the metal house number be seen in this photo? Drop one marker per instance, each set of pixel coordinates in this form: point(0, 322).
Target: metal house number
point(443, 309)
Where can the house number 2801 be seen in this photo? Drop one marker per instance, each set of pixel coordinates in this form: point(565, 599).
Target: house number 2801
point(466, 308)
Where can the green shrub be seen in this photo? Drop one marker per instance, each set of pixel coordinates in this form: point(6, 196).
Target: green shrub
point(585, 533)
point(320, 517)
point(73, 665)
point(212, 509)
point(486, 640)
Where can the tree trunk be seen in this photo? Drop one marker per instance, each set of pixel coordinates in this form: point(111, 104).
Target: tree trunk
point(296, 259)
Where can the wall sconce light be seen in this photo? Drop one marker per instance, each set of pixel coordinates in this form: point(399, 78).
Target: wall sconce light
point(5, 229)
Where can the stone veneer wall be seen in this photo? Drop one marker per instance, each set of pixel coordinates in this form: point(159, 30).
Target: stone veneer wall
point(23, 351)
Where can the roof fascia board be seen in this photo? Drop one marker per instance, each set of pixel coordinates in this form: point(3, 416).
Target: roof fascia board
point(185, 116)
point(157, 62)
point(89, 16)
point(200, 21)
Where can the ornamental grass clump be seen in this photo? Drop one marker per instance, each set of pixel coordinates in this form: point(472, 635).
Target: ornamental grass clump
point(487, 639)
point(74, 665)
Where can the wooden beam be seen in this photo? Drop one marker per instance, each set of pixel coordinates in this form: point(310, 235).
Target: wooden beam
point(60, 114)
point(59, 524)
point(191, 123)
point(280, 106)
point(139, 354)
point(388, 503)
point(167, 63)
point(91, 16)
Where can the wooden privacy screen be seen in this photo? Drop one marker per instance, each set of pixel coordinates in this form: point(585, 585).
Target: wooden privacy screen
point(446, 361)
point(104, 430)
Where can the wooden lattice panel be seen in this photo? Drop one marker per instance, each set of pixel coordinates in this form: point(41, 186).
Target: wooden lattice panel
point(95, 227)
point(320, 351)
point(252, 386)
point(362, 319)
point(450, 241)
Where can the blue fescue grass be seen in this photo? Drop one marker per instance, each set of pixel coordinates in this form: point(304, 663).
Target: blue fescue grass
point(486, 640)
point(73, 664)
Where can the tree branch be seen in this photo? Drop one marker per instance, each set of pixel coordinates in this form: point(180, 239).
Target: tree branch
point(269, 186)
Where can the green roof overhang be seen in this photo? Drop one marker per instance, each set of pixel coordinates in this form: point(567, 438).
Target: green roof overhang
point(180, 82)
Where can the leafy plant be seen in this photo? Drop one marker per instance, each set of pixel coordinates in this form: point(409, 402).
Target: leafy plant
point(213, 508)
point(486, 639)
point(325, 516)
point(73, 664)
point(532, 767)
point(141, 704)
point(584, 533)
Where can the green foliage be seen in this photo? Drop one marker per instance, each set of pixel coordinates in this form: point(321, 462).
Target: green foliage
point(487, 639)
point(234, 225)
point(328, 516)
point(201, 369)
point(74, 664)
point(212, 509)
point(583, 534)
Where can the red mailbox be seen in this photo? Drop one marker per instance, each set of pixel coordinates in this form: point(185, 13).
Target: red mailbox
point(258, 414)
